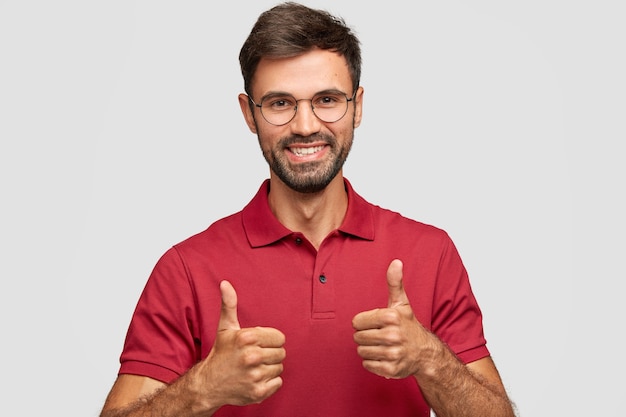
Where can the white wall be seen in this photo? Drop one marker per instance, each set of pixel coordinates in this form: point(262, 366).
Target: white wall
point(120, 135)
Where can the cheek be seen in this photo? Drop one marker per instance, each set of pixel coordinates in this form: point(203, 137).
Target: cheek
point(344, 133)
point(268, 138)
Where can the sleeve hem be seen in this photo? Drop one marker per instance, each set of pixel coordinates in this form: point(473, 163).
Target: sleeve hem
point(149, 370)
point(474, 354)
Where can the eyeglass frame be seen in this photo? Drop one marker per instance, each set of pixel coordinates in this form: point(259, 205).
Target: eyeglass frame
point(295, 111)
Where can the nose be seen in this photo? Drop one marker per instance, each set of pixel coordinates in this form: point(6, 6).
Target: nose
point(305, 122)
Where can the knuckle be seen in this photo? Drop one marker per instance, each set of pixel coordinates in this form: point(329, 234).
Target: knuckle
point(255, 375)
point(279, 369)
point(394, 354)
point(251, 357)
point(282, 354)
point(258, 393)
point(393, 337)
point(390, 316)
point(245, 337)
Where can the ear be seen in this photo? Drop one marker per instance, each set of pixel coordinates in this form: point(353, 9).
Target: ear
point(358, 107)
point(248, 115)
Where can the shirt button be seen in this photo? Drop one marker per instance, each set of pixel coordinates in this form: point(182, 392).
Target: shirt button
point(298, 241)
point(323, 279)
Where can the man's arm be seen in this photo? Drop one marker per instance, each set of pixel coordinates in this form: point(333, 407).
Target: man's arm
point(475, 389)
point(129, 392)
point(393, 344)
point(243, 367)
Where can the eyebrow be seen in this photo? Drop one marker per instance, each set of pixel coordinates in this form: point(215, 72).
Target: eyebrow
point(319, 93)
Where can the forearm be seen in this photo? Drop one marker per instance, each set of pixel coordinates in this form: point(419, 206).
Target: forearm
point(453, 390)
point(178, 399)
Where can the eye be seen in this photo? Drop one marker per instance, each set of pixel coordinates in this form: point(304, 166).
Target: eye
point(279, 103)
point(328, 100)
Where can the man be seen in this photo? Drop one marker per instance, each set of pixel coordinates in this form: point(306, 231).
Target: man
point(310, 301)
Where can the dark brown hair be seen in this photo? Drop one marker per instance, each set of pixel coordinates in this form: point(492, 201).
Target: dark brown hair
point(291, 29)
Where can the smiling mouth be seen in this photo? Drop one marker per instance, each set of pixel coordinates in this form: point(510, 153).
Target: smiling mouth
point(306, 151)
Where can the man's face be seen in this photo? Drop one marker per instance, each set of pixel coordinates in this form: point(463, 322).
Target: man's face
point(306, 153)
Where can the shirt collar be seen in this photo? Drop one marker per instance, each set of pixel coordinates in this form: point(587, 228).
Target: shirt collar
point(262, 228)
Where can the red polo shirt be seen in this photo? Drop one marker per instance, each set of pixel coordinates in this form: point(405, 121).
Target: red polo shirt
point(311, 296)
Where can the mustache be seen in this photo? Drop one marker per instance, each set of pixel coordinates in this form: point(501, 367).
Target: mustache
point(293, 139)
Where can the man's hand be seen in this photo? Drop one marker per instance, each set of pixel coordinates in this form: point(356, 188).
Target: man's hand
point(391, 340)
point(244, 365)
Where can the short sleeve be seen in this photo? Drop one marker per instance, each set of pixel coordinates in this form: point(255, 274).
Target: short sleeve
point(162, 338)
point(457, 319)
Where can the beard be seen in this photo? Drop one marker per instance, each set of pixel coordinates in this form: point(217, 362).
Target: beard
point(308, 177)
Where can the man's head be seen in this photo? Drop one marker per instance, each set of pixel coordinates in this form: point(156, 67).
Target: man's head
point(301, 69)
point(289, 30)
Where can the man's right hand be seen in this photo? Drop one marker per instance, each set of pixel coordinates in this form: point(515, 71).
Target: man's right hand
point(245, 365)
point(243, 368)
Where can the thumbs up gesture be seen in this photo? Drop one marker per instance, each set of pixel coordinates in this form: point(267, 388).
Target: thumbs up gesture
point(391, 340)
point(244, 365)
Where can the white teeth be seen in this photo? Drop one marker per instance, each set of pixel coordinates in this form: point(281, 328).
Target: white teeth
point(306, 151)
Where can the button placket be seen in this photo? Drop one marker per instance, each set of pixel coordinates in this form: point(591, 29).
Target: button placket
point(323, 281)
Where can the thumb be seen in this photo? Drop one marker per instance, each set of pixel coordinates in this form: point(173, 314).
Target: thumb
point(397, 296)
point(228, 315)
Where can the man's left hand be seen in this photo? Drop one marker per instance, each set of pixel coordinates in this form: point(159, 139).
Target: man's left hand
point(390, 340)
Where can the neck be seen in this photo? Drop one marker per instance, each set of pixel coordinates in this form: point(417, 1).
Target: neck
point(314, 215)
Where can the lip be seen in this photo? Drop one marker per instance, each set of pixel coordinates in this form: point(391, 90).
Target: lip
point(308, 152)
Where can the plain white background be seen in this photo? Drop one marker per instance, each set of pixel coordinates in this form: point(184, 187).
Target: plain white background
point(500, 122)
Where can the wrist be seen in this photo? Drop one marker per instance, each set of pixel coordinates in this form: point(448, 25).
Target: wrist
point(434, 359)
point(197, 391)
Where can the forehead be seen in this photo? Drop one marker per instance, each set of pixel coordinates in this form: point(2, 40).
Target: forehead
point(303, 75)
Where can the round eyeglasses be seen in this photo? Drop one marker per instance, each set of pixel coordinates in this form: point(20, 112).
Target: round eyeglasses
point(278, 109)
